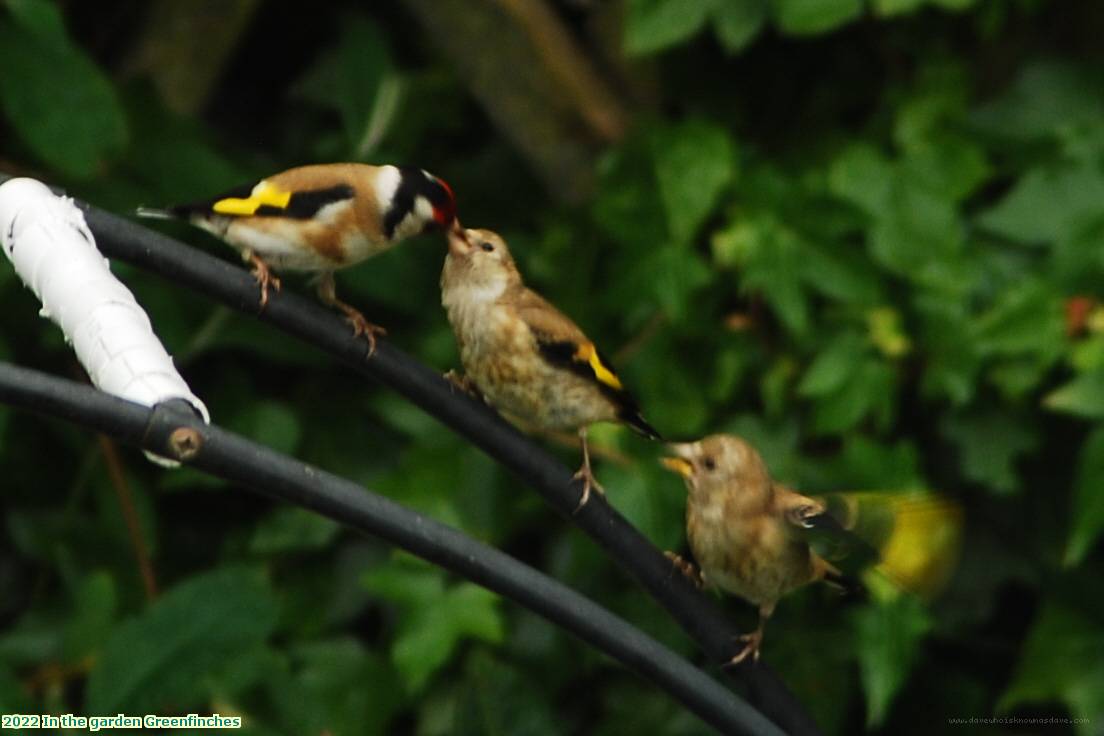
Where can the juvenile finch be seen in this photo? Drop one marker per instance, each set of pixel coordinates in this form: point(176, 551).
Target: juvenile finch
point(527, 358)
point(751, 536)
point(321, 218)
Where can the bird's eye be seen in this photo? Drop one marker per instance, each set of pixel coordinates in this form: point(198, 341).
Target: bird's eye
point(487, 246)
point(709, 463)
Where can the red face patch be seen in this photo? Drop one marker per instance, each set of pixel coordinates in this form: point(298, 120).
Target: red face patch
point(445, 212)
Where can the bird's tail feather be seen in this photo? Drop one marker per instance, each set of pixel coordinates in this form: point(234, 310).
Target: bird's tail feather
point(635, 420)
point(155, 213)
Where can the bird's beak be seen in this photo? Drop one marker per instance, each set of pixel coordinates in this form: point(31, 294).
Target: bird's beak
point(681, 462)
point(458, 242)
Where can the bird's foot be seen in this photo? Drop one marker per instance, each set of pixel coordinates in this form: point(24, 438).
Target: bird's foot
point(464, 384)
point(801, 515)
point(362, 326)
point(264, 277)
point(589, 481)
point(752, 642)
point(687, 568)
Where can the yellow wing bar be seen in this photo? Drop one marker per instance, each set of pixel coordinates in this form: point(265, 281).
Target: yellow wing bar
point(587, 354)
point(262, 194)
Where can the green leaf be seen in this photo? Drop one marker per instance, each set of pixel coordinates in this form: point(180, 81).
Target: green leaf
point(867, 391)
point(57, 101)
point(863, 176)
point(292, 529)
point(737, 22)
point(354, 77)
point(953, 167)
point(94, 607)
point(694, 162)
point(832, 366)
point(1027, 318)
point(1087, 509)
point(889, 8)
point(1082, 397)
point(41, 18)
point(770, 256)
point(809, 17)
point(435, 619)
point(889, 638)
point(161, 656)
point(989, 445)
point(270, 423)
point(670, 275)
point(653, 25)
point(1048, 204)
point(1047, 98)
point(1060, 661)
point(318, 697)
point(920, 236)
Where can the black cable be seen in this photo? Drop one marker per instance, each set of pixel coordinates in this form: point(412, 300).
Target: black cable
point(695, 612)
point(307, 319)
point(173, 430)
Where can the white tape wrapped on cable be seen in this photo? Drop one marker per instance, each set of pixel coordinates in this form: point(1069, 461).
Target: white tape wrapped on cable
point(53, 252)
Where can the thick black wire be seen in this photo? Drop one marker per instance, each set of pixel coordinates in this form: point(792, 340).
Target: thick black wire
point(254, 466)
point(696, 613)
point(307, 319)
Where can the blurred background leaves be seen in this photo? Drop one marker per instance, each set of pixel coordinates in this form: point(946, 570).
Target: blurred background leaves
point(864, 234)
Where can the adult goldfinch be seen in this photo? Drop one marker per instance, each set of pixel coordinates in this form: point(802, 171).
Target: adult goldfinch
point(528, 359)
point(752, 536)
point(321, 218)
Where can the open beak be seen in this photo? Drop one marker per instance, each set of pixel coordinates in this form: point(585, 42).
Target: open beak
point(681, 462)
point(458, 242)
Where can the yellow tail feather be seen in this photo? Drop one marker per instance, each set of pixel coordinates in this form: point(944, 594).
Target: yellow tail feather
point(917, 534)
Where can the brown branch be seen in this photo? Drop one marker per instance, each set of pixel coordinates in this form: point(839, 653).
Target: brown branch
point(185, 45)
point(130, 516)
point(595, 101)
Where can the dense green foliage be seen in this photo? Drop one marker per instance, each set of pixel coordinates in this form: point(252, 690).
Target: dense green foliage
point(868, 236)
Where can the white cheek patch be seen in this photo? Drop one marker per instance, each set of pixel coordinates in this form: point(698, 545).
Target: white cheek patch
point(415, 221)
point(387, 183)
point(423, 209)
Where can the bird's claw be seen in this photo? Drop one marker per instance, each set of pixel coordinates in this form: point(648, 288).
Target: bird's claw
point(362, 326)
point(463, 383)
point(687, 568)
point(264, 277)
point(752, 643)
point(589, 481)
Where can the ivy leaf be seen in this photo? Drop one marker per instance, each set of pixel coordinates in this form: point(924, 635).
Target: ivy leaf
point(270, 423)
point(1048, 204)
point(161, 656)
point(833, 366)
point(863, 176)
point(1047, 98)
point(889, 637)
point(435, 619)
point(1060, 661)
point(1083, 396)
point(737, 22)
point(989, 445)
point(653, 25)
point(810, 17)
point(920, 236)
point(889, 8)
point(1088, 502)
point(351, 77)
point(291, 529)
point(57, 101)
point(694, 162)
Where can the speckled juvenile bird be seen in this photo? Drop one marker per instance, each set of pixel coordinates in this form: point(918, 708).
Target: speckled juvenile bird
point(527, 358)
point(321, 218)
point(751, 536)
